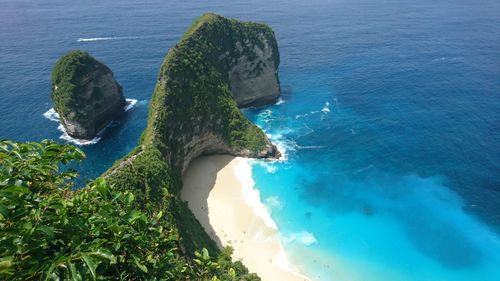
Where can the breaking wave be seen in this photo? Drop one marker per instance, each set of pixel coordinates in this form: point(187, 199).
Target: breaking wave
point(107, 38)
point(52, 115)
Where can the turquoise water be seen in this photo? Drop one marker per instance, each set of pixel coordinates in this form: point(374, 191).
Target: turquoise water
point(354, 215)
point(390, 120)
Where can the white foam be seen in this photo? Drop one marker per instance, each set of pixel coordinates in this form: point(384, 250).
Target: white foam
point(52, 115)
point(284, 145)
point(310, 146)
point(326, 108)
point(252, 195)
point(93, 39)
point(268, 165)
point(307, 114)
point(142, 102)
point(76, 141)
point(274, 201)
point(280, 101)
point(303, 237)
point(448, 59)
point(266, 114)
point(130, 104)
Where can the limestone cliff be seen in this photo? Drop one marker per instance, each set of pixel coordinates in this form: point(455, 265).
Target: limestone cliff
point(253, 67)
point(194, 111)
point(85, 94)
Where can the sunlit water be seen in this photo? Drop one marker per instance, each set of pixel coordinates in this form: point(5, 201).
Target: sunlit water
point(390, 120)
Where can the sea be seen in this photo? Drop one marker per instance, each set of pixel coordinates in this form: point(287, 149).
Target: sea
point(389, 120)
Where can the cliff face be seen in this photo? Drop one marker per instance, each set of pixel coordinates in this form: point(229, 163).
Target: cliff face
point(253, 74)
point(85, 94)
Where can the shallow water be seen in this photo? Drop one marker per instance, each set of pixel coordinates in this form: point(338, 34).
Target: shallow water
point(390, 120)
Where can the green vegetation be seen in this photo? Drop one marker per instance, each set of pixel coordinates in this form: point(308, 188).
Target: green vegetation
point(50, 232)
point(132, 224)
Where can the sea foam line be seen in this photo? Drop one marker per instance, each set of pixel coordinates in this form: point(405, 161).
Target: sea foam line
point(252, 195)
point(52, 115)
point(107, 38)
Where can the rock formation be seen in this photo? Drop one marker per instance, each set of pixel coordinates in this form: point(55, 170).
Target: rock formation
point(218, 65)
point(85, 94)
point(195, 104)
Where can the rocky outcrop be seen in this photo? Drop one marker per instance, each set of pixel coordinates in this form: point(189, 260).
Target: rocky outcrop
point(85, 94)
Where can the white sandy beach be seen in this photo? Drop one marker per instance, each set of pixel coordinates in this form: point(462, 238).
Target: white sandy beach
point(219, 191)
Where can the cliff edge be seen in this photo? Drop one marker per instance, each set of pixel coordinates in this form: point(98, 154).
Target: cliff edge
point(85, 94)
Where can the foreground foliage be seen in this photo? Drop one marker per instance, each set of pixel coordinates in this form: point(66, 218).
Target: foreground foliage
point(100, 232)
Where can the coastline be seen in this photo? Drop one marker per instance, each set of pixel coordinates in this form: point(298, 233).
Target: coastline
point(219, 191)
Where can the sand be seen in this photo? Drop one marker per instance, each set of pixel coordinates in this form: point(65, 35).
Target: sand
point(219, 191)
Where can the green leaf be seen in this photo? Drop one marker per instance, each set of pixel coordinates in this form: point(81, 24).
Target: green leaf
point(159, 215)
point(73, 273)
point(135, 215)
point(27, 225)
point(49, 231)
point(16, 188)
point(17, 154)
point(101, 186)
point(4, 211)
point(90, 264)
point(204, 254)
point(117, 246)
point(6, 262)
point(106, 254)
point(141, 266)
point(49, 273)
point(130, 198)
point(232, 273)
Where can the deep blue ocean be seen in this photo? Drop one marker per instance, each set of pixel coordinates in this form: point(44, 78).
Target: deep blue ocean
point(390, 120)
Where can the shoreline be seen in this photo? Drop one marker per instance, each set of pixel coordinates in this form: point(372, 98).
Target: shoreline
point(220, 192)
